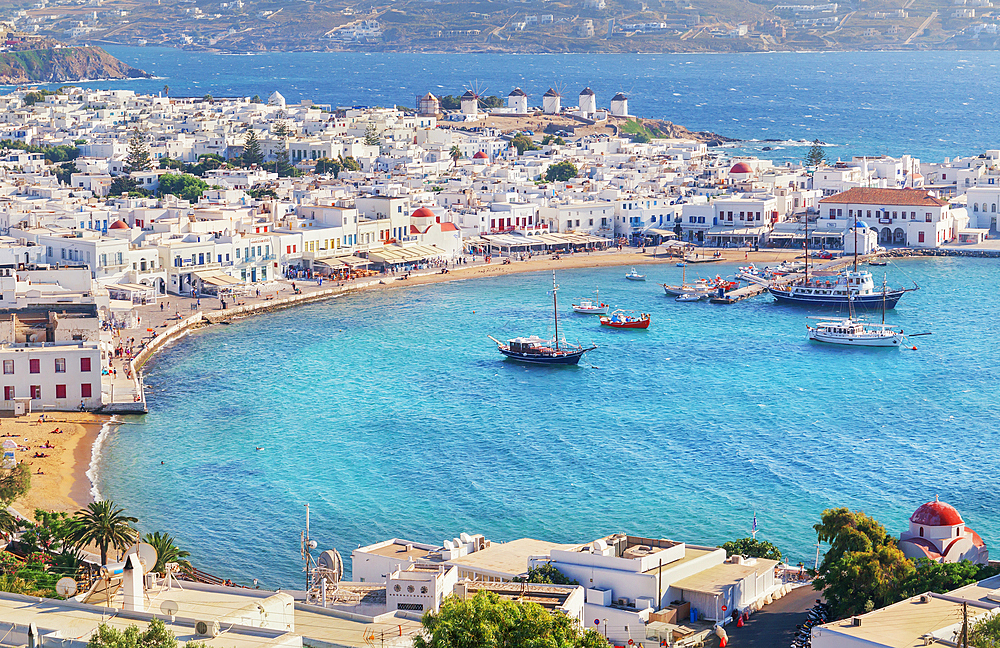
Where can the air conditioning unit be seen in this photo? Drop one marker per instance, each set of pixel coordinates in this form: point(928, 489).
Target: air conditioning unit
point(206, 628)
point(856, 622)
point(925, 598)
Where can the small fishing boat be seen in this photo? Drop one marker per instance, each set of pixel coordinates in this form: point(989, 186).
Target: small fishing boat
point(681, 264)
point(621, 319)
point(595, 307)
point(690, 297)
point(633, 275)
point(877, 262)
point(537, 350)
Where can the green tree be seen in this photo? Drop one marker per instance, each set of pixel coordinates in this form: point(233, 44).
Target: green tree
point(166, 551)
point(863, 569)
point(815, 156)
point(455, 154)
point(326, 165)
point(523, 143)
point(349, 163)
point(552, 139)
point(49, 533)
point(932, 576)
point(184, 186)
point(252, 153)
point(156, 635)
point(14, 482)
point(206, 162)
point(166, 91)
point(985, 633)
point(127, 186)
point(546, 574)
point(752, 548)
point(209, 98)
point(167, 163)
point(487, 621)
point(283, 167)
point(137, 157)
point(281, 130)
point(103, 524)
point(561, 172)
point(256, 99)
point(371, 135)
point(64, 172)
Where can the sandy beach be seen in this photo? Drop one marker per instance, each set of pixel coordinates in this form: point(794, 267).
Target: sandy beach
point(59, 480)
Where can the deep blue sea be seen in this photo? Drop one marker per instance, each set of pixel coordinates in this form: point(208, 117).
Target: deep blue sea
point(929, 104)
point(392, 414)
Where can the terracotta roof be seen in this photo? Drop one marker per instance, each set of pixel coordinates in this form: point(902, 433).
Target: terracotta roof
point(741, 167)
point(448, 227)
point(868, 196)
point(936, 514)
point(119, 225)
point(423, 212)
point(479, 156)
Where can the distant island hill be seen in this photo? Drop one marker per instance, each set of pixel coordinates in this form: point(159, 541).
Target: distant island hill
point(524, 26)
point(28, 58)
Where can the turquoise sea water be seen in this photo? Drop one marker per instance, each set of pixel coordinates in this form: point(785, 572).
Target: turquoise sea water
point(863, 103)
point(392, 414)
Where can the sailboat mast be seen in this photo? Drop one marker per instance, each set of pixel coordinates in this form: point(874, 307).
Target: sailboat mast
point(856, 245)
point(806, 216)
point(883, 299)
point(555, 307)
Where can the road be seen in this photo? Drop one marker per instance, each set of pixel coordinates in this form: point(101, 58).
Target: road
point(921, 28)
point(775, 624)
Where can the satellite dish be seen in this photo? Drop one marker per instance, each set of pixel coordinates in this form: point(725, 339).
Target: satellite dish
point(147, 555)
point(331, 562)
point(66, 587)
point(169, 608)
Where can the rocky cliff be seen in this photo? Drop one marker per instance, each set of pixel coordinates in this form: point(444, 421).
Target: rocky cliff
point(55, 65)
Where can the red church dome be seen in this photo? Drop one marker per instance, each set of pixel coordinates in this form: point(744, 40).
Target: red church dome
point(741, 167)
point(423, 212)
point(118, 225)
point(479, 156)
point(936, 514)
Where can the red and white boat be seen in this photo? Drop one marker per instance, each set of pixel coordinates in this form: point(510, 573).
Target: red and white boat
point(621, 319)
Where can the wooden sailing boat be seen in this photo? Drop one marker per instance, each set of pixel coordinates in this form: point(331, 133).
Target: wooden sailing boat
point(537, 350)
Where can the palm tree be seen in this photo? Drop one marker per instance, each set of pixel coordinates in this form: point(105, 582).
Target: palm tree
point(166, 551)
point(8, 525)
point(456, 155)
point(103, 524)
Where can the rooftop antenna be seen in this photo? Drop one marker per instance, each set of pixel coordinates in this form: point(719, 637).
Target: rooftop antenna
point(307, 544)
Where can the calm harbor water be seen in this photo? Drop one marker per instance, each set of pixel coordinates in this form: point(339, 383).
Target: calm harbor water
point(864, 103)
point(392, 414)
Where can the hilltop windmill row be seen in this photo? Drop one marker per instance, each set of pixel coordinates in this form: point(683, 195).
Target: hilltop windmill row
point(474, 106)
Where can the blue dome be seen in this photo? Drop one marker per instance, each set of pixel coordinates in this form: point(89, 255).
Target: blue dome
point(861, 224)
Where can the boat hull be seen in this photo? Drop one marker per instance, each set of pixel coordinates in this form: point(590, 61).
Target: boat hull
point(591, 311)
point(568, 358)
point(641, 324)
point(866, 302)
point(895, 340)
point(634, 278)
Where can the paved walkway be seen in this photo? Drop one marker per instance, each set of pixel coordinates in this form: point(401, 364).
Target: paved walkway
point(775, 624)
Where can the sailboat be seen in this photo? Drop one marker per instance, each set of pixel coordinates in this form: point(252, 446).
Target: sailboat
point(537, 350)
point(852, 331)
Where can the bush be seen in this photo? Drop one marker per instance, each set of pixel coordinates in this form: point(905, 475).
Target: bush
point(752, 548)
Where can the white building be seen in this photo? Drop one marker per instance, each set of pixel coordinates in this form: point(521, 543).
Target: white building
point(551, 102)
point(903, 216)
point(517, 101)
point(619, 105)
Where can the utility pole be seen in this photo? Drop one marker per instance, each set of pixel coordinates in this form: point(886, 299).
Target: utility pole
point(965, 624)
